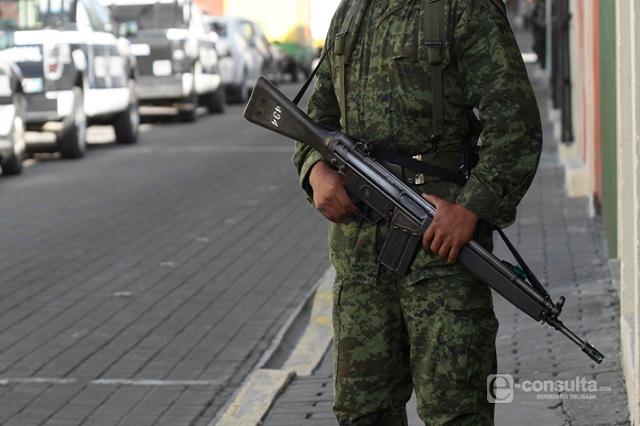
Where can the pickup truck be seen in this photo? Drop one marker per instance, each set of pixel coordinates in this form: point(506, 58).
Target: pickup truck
point(76, 72)
point(176, 54)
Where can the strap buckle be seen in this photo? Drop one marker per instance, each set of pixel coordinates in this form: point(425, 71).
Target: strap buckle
point(434, 52)
point(419, 178)
point(340, 42)
point(365, 147)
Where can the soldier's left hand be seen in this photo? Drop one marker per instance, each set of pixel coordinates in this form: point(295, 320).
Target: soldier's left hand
point(452, 227)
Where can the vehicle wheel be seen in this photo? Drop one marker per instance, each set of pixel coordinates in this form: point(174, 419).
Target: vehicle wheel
point(295, 74)
point(72, 141)
point(12, 165)
point(217, 101)
point(238, 93)
point(190, 113)
point(127, 122)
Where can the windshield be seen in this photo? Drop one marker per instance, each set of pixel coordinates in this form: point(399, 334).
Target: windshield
point(32, 14)
point(151, 16)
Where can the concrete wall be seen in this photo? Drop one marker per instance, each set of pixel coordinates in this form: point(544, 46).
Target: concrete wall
point(628, 129)
point(579, 157)
point(603, 162)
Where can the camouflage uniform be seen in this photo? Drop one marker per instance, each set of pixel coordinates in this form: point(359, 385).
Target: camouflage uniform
point(435, 328)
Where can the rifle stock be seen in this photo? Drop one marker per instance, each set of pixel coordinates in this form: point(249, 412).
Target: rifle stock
point(269, 108)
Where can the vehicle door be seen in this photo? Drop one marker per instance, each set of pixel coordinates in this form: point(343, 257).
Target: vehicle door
point(117, 67)
point(263, 48)
point(255, 62)
point(106, 90)
point(207, 75)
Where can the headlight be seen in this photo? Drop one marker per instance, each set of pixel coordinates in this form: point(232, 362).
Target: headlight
point(179, 55)
point(191, 48)
point(5, 86)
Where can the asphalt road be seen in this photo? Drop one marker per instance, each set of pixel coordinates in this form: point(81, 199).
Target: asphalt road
point(141, 284)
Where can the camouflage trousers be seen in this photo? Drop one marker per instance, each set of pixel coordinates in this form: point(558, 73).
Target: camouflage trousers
point(392, 336)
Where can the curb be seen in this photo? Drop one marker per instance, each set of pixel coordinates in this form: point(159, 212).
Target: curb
point(255, 397)
point(313, 344)
point(252, 401)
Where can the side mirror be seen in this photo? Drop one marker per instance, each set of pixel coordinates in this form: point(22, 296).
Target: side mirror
point(128, 29)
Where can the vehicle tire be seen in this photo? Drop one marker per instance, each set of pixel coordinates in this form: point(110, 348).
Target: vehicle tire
point(12, 165)
point(295, 73)
point(244, 94)
point(188, 115)
point(127, 122)
point(238, 93)
point(72, 141)
point(217, 101)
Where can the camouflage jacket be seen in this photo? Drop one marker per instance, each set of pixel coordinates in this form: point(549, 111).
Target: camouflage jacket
point(388, 100)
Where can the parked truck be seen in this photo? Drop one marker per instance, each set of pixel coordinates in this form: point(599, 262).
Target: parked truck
point(286, 23)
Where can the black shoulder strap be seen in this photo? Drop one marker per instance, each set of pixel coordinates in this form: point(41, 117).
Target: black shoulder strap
point(434, 31)
point(307, 83)
point(418, 166)
point(526, 271)
point(340, 50)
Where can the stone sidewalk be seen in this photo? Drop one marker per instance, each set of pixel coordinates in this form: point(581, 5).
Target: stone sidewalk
point(566, 248)
point(141, 285)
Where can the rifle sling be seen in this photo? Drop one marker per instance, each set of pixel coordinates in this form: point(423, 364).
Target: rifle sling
point(309, 80)
point(434, 32)
point(418, 166)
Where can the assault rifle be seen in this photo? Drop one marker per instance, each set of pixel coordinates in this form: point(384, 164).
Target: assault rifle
point(385, 197)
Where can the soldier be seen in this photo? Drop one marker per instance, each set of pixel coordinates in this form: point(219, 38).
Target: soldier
point(406, 75)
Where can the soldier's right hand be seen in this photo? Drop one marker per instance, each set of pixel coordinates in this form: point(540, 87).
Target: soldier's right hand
point(329, 194)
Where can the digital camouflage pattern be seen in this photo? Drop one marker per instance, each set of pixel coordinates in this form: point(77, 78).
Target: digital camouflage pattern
point(391, 335)
point(437, 322)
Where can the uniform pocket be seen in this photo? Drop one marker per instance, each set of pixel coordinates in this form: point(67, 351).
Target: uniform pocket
point(342, 238)
point(450, 286)
point(353, 251)
point(466, 342)
point(462, 358)
point(411, 95)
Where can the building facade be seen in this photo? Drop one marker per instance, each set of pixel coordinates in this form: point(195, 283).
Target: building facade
point(597, 96)
point(281, 20)
point(212, 7)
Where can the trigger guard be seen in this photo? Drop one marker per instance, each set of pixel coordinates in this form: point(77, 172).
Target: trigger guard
point(368, 214)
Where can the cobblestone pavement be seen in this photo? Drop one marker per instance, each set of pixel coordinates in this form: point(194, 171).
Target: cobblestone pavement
point(567, 249)
point(140, 285)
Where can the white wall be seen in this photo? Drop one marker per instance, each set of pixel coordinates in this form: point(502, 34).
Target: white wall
point(628, 129)
point(578, 157)
point(321, 14)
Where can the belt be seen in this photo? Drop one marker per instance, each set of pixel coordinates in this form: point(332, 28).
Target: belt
point(446, 166)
